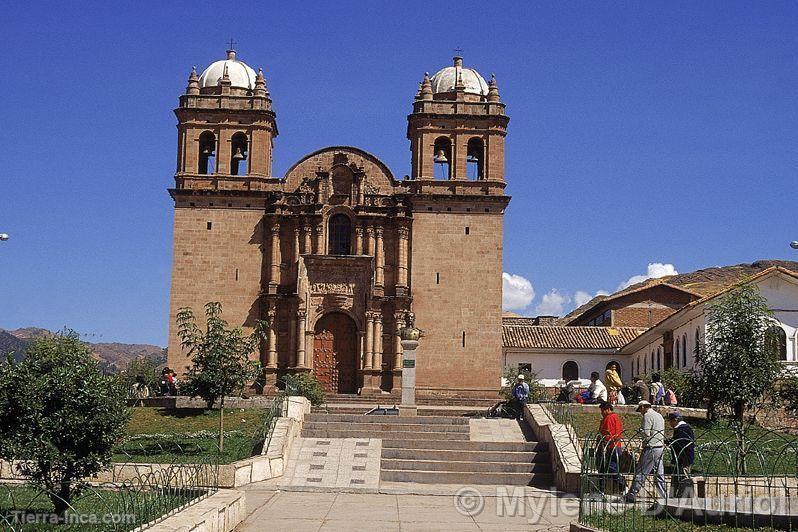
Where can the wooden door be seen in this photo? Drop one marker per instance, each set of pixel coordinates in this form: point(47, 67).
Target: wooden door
point(335, 353)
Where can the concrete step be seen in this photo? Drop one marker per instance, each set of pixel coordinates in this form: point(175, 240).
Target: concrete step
point(359, 418)
point(459, 401)
point(385, 427)
point(465, 456)
point(463, 466)
point(463, 445)
point(424, 411)
point(378, 434)
point(466, 478)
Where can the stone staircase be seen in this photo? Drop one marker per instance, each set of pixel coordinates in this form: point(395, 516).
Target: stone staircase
point(429, 406)
point(437, 450)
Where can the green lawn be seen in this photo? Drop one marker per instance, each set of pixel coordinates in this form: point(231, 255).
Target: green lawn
point(190, 435)
point(93, 506)
point(634, 520)
point(770, 453)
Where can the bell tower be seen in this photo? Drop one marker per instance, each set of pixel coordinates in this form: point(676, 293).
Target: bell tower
point(226, 125)
point(456, 192)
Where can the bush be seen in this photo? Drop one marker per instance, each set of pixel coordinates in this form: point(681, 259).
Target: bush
point(536, 390)
point(788, 394)
point(305, 385)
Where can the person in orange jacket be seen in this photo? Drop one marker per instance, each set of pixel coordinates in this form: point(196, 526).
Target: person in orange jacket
point(609, 446)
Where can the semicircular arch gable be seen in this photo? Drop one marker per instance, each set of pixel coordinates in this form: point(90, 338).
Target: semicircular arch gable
point(378, 175)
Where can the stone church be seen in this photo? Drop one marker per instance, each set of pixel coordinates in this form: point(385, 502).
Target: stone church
point(335, 253)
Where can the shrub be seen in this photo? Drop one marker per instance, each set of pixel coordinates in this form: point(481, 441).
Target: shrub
point(305, 385)
point(536, 390)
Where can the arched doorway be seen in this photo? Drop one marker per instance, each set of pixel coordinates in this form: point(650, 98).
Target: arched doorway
point(335, 353)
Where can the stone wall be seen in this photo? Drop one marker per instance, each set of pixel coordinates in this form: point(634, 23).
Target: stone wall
point(565, 456)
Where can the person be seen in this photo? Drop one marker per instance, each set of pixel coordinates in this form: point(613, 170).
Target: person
point(609, 447)
point(520, 395)
point(614, 382)
point(657, 390)
point(597, 392)
point(653, 432)
point(139, 390)
point(641, 389)
point(172, 382)
point(682, 446)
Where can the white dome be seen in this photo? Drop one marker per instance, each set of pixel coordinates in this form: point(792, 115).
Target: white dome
point(444, 79)
point(241, 74)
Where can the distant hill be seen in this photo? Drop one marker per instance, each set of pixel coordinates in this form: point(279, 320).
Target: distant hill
point(112, 357)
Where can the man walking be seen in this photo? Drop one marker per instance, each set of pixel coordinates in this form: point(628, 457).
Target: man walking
point(520, 396)
point(682, 446)
point(653, 432)
point(608, 447)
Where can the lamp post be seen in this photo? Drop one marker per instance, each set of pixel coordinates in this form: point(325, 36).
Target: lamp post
point(409, 335)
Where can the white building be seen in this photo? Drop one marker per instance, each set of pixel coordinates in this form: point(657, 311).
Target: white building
point(673, 341)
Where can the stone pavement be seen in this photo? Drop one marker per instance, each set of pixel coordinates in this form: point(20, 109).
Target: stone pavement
point(300, 511)
point(333, 463)
point(495, 430)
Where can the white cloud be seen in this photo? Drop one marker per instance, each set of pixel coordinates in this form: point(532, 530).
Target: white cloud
point(655, 270)
point(552, 304)
point(581, 297)
point(517, 292)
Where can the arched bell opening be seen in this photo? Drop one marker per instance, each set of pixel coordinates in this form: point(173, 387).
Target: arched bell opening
point(207, 153)
point(443, 158)
point(475, 159)
point(239, 147)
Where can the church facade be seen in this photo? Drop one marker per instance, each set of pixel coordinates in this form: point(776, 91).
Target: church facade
point(337, 252)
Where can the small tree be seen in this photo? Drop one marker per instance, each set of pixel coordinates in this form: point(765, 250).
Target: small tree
point(221, 362)
point(59, 416)
point(536, 390)
point(145, 367)
point(738, 365)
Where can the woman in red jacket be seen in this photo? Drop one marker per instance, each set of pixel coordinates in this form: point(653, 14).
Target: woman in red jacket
point(609, 447)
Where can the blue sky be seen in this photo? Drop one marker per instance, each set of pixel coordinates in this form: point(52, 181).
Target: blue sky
point(640, 133)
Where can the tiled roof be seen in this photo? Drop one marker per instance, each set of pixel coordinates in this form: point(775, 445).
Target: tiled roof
point(517, 335)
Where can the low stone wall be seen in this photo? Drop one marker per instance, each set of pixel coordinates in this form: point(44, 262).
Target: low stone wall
point(695, 413)
point(564, 455)
point(269, 464)
point(221, 512)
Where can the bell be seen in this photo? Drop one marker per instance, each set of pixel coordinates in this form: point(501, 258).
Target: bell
point(238, 156)
point(207, 150)
point(472, 159)
point(440, 157)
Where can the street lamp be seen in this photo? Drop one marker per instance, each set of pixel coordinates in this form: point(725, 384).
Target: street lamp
point(3, 236)
point(794, 244)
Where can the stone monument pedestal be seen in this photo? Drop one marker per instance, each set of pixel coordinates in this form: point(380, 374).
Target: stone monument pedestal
point(408, 406)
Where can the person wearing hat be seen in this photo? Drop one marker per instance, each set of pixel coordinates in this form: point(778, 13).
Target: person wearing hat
point(653, 433)
point(682, 446)
point(520, 395)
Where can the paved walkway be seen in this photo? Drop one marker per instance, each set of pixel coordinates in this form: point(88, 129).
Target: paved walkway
point(495, 430)
point(299, 511)
point(333, 463)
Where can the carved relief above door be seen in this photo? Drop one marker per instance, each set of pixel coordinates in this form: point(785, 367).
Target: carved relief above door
point(335, 353)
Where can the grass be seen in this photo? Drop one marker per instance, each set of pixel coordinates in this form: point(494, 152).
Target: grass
point(772, 452)
point(190, 435)
point(93, 505)
point(633, 520)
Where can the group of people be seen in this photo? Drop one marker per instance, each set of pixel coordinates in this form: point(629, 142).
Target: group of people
point(609, 449)
point(598, 392)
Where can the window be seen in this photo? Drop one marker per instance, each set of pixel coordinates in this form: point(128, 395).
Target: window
point(684, 348)
point(697, 345)
point(652, 360)
point(442, 158)
point(340, 229)
point(207, 153)
point(524, 368)
point(659, 358)
point(570, 371)
point(475, 159)
point(776, 342)
point(239, 150)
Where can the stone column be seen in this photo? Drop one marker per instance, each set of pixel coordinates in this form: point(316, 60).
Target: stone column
point(306, 249)
point(318, 248)
point(377, 364)
point(369, 340)
point(300, 346)
point(404, 234)
point(371, 242)
point(397, 343)
point(274, 276)
point(358, 239)
point(297, 231)
point(271, 354)
point(379, 256)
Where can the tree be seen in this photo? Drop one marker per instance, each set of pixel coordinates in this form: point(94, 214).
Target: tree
point(145, 367)
point(221, 362)
point(60, 416)
point(738, 365)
